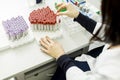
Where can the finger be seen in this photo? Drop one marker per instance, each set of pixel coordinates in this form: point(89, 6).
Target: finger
point(46, 41)
point(62, 13)
point(43, 44)
point(50, 40)
point(44, 50)
point(58, 5)
point(61, 7)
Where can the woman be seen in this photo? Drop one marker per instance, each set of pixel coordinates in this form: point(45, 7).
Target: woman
point(106, 65)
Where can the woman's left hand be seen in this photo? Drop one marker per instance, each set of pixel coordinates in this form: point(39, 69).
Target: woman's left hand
point(51, 47)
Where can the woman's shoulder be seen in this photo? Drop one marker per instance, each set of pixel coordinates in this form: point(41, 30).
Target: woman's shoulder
point(108, 63)
point(113, 53)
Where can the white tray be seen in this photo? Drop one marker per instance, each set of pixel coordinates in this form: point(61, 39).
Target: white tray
point(24, 40)
point(6, 44)
point(52, 34)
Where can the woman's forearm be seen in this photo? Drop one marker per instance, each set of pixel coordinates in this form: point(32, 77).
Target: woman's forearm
point(86, 22)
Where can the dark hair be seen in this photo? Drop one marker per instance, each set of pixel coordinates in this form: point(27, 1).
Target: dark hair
point(111, 18)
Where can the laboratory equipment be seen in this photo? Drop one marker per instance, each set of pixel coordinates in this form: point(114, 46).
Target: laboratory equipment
point(15, 28)
point(62, 10)
point(44, 19)
point(87, 9)
point(44, 22)
point(17, 32)
point(71, 27)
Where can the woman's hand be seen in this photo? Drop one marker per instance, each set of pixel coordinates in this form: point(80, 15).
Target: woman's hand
point(51, 47)
point(70, 10)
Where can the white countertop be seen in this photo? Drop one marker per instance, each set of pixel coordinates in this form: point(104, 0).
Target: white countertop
point(14, 61)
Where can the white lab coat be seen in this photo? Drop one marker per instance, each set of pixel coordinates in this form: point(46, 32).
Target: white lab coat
point(105, 67)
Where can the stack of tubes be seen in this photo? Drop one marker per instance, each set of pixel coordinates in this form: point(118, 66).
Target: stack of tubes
point(44, 19)
point(15, 28)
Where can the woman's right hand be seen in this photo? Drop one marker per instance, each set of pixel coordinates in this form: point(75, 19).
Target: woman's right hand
point(70, 10)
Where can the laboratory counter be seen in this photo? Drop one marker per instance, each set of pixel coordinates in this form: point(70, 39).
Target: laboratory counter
point(28, 60)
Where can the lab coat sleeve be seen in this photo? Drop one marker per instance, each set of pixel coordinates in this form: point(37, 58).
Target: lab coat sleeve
point(86, 22)
point(65, 62)
point(98, 25)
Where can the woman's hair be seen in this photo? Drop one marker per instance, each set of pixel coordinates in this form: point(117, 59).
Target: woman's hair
point(110, 22)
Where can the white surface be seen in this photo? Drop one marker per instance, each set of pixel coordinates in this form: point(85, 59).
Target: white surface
point(19, 59)
point(29, 56)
